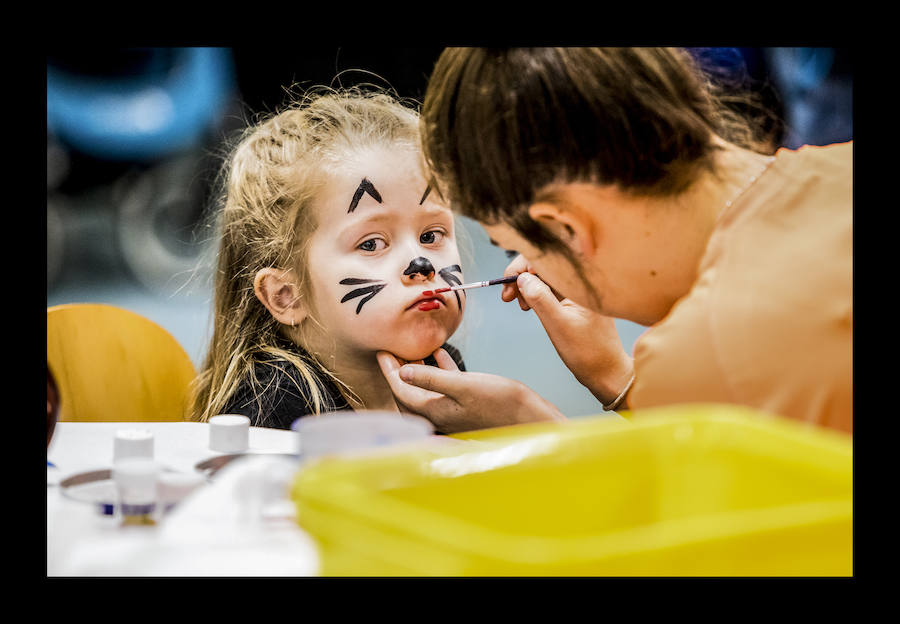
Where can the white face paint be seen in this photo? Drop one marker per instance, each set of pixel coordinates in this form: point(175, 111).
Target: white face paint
point(382, 240)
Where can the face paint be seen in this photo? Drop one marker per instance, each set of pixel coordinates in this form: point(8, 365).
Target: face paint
point(421, 266)
point(431, 185)
point(447, 275)
point(371, 291)
point(427, 190)
point(425, 306)
point(343, 266)
point(364, 187)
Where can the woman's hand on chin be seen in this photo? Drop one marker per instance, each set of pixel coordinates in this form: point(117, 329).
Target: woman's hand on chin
point(456, 401)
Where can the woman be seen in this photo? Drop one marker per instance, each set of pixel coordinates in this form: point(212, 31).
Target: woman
point(631, 192)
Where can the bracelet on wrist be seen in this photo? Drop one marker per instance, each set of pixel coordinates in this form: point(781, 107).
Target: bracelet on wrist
point(618, 400)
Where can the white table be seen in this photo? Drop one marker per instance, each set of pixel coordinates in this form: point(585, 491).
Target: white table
point(226, 527)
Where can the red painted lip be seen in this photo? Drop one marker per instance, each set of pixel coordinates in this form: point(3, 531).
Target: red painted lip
point(438, 298)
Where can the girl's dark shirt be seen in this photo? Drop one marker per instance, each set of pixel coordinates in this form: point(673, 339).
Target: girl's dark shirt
point(282, 395)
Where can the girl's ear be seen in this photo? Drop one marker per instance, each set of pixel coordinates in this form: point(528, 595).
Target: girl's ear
point(277, 290)
point(572, 227)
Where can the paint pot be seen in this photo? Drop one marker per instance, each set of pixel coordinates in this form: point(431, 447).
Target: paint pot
point(132, 443)
point(135, 479)
point(229, 433)
point(351, 432)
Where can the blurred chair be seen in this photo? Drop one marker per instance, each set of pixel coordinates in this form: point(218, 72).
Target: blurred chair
point(114, 365)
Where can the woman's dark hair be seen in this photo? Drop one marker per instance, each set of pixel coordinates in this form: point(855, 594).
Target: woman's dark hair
point(498, 125)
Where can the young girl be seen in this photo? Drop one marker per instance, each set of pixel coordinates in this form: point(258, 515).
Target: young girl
point(330, 234)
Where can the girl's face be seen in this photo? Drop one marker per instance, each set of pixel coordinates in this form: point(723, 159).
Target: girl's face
point(383, 237)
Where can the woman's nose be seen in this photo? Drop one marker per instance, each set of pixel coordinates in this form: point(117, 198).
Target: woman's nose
point(419, 269)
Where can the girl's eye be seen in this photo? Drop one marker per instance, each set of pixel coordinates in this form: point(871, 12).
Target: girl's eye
point(511, 253)
point(431, 237)
point(373, 244)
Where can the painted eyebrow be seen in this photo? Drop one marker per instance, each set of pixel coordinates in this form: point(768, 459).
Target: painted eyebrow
point(430, 186)
point(364, 187)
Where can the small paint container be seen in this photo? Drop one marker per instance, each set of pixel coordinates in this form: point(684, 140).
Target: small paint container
point(132, 443)
point(229, 433)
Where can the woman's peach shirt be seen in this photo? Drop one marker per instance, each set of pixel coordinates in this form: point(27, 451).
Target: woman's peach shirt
point(768, 323)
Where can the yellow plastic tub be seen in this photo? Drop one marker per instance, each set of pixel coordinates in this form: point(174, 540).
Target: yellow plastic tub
point(678, 491)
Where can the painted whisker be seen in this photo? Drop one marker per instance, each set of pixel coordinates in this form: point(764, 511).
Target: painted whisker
point(447, 275)
point(369, 291)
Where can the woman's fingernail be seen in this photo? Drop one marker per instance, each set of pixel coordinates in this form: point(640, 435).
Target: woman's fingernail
point(526, 283)
point(406, 373)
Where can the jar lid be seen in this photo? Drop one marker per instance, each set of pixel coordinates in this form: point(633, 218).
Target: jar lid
point(132, 443)
point(229, 433)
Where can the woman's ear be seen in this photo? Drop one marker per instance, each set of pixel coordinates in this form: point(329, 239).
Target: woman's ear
point(277, 289)
point(573, 227)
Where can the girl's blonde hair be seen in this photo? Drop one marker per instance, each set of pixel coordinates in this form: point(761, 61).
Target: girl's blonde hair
point(267, 188)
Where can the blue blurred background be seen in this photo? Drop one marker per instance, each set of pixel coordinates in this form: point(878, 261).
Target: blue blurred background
point(134, 141)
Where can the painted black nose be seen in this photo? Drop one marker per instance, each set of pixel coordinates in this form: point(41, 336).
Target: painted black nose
point(419, 266)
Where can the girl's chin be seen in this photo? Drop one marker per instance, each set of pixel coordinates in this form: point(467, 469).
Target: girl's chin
point(412, 355)
point(412, 341)
point(417, 351)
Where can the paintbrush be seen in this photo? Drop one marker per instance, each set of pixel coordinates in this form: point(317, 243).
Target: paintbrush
point(502, 280)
